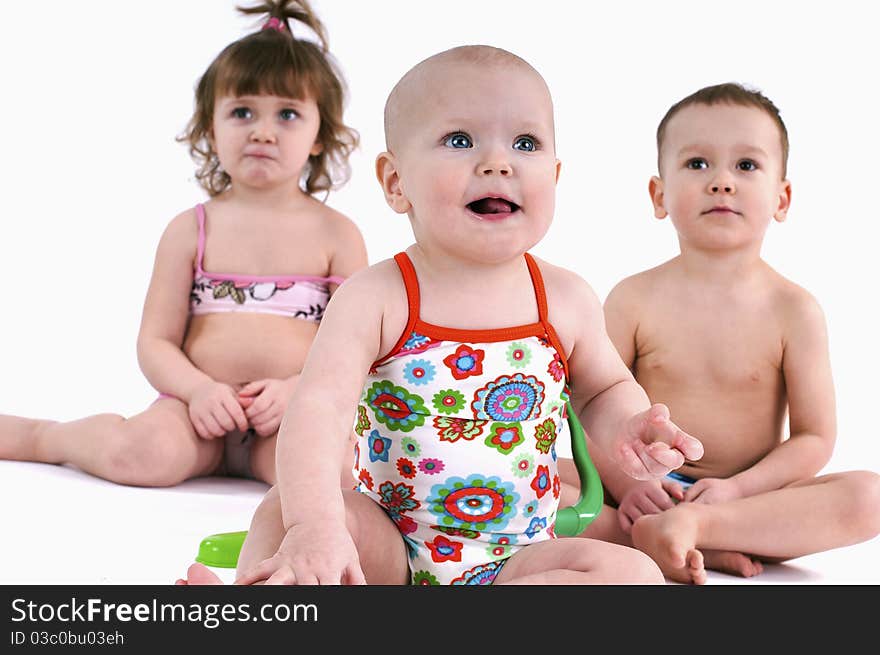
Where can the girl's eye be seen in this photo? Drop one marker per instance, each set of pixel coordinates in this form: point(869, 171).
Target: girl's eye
point(526, 144)
point(241, 112)
point(696, 164)
point(288, 115)
point(458, 140)
point(747, 165)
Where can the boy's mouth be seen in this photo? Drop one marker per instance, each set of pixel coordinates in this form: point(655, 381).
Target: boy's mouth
point(491, 206)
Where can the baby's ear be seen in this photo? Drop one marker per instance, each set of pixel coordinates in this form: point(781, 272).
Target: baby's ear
point(781, 212)
point(389, 178)
point(655, 188)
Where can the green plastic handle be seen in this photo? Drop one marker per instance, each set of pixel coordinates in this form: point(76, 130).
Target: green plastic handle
point(221, 550)
point(571, 521)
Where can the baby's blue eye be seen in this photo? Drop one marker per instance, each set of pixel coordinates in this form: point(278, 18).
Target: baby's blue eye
point(525, 143)
point(747, 165)
point(696, 164)
point(241, 112)
point(288, 115)
point(458, 140)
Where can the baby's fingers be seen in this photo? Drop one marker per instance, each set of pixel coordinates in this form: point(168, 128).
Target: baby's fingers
point(690, 447)
point(258, 573)
point(668, 458)
point(353, 575)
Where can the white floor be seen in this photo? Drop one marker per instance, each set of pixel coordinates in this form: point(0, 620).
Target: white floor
point(61, 526)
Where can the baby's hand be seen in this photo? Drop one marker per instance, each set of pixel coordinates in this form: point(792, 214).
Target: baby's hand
point(265, 401)
point(316, 553)
point(649, 497)
point(214, 410)
point(712, 490)
point(651, 445)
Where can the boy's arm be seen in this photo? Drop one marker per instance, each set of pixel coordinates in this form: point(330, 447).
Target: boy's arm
point(614, 409)
point(806, 368)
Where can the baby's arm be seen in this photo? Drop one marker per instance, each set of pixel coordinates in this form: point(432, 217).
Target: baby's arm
point(317, 547)
point(163, 326)
point(806, 368)
point(614, 409)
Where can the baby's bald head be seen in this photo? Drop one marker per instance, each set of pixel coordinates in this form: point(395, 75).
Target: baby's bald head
point(402, 109)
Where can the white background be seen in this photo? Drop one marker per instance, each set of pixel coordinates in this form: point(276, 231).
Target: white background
point(94, 94)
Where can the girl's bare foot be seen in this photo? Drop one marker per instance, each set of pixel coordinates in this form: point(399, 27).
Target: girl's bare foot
point(199, 574)
point(734, 563)
point(670, 539)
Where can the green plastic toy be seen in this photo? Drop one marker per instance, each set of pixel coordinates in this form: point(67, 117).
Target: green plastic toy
point(221, 550)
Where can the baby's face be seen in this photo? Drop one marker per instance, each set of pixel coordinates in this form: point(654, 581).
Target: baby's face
point(476, 158)
point(721, 175)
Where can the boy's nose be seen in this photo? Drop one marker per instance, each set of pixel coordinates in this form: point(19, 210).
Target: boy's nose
point(722, 184)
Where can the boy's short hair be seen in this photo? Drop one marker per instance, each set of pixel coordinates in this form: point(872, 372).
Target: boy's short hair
point(733, 94)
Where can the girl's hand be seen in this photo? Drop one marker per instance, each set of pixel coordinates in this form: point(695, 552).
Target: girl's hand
point(649, 497)
point(314, 553)
point(214, 410)
point(265, 401)
point(712, 490)
point(651, 445)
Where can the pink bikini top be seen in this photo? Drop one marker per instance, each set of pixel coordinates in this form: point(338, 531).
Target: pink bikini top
point(297, 296)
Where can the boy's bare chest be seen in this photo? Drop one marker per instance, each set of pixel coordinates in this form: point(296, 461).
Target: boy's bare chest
point(710, 346)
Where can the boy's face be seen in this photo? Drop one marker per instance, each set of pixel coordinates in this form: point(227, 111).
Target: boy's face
point(473, 160)
point(721, 176)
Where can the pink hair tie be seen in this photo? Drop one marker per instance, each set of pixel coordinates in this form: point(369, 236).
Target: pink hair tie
point(274, 24)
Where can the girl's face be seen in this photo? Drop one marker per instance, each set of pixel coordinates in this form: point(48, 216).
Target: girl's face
point(264, 141)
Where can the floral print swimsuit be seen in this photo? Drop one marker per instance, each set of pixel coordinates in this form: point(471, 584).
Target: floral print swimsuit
point(456, 433)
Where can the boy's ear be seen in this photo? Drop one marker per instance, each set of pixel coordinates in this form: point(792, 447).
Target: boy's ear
point(389, 178)
point(655, 188)
point(784, 201)
point(558, 170)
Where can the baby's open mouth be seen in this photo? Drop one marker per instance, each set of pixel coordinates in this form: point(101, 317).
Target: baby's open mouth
point(492, 206)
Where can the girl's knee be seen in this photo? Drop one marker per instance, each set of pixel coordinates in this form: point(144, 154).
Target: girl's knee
point(145, 455)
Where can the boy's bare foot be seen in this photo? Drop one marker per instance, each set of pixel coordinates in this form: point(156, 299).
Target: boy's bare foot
point(734, 563)
point(670, 539)
point(19, 438)
point(199, 574)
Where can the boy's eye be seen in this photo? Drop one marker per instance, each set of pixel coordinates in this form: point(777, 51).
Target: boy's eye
point(747, 165)
point(288, 115)
point(526, 144)
point(241, 112)
point(696, 164)
point(458, 140)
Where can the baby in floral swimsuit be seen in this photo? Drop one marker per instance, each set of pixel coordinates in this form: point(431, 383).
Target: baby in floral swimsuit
point(455, 359)
point(461, 450)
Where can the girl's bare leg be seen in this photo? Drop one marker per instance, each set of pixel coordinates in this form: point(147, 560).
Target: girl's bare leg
point(155, 448)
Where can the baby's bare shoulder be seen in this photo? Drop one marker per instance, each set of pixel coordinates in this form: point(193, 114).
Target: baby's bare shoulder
point(565, 288)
